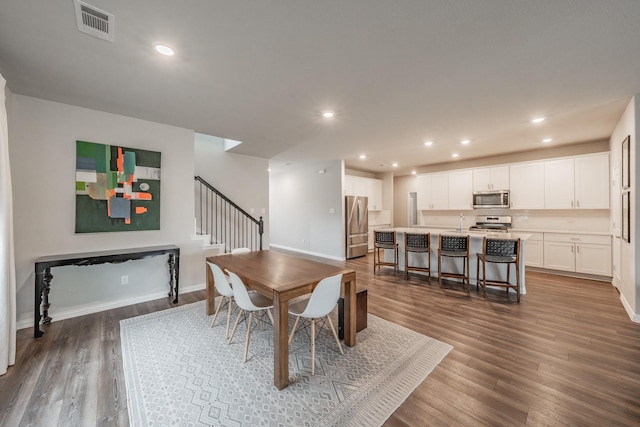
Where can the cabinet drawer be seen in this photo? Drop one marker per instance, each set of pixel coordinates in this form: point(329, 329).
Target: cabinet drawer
point(577, 238)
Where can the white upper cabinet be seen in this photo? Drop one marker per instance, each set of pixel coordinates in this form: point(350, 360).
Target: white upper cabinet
point(577, 183)
point(423, 186)
point(460, 190)
point(527, 185)
point(440, 191)
point(488, 179)
point(369, 187)
point(433, 191)
point(348, 186)
point(592, 182)
point(374, 192)
point(558, 184)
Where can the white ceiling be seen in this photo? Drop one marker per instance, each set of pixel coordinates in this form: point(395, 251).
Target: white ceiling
point(396, 72)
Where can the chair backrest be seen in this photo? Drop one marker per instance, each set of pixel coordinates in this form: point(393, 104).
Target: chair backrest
point(323, 298)
point(417, 240)
point(240, 251)
point(240, 293)
point(385, 237)
point(220, 280)
point(502, 247)
point(454, 243)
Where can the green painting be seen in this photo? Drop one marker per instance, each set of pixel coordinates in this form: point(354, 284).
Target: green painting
point(117, 188)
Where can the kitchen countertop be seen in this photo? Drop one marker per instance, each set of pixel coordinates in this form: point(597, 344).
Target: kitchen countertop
point(529, 230)
point(451, 230)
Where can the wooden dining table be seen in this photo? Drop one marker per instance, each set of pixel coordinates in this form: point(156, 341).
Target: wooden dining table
point(283, 277)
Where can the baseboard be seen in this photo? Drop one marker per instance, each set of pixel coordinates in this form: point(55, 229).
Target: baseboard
point(571, 274)
point(96, 308)
point(633, 316)
point(302, 251)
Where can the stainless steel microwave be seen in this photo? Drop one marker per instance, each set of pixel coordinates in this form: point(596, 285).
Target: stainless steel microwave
point(491, 199)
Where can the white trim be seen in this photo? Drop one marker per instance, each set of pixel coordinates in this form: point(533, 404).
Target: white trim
point(83, 310)
point(302, 251)
point(633, 316)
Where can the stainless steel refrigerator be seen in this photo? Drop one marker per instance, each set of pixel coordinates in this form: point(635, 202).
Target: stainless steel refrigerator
point(357, 217)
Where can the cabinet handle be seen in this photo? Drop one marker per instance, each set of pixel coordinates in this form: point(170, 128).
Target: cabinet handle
point(577, 203)
point(578, 249)
point(572, 203)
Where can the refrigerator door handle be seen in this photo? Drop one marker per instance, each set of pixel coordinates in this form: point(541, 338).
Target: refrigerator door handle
point(359, 214)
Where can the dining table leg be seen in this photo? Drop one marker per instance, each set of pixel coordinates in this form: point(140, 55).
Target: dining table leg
point(210, 292)
point(280, 342)
point(350, 311)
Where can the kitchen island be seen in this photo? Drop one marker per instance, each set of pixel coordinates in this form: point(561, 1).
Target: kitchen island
point(449, 264)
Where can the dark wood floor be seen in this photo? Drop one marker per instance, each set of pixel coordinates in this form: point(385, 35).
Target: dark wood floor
point(566, 355)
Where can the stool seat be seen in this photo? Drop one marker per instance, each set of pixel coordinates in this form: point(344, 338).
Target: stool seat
point(499, 251)
point(385, 240)
point(453, 253)
point(419, 243)
point(499, 259)
point(454, 247)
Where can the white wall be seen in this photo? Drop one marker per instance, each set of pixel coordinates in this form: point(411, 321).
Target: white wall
point(628, 267)
point(42, 137)
point(243, 179)
point(301, 200)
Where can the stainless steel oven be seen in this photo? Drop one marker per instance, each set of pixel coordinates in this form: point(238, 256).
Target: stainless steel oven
point(491, 199)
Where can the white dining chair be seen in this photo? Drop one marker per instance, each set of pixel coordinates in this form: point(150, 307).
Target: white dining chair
point(322, 301)
point(250, 302)
point(223, 287)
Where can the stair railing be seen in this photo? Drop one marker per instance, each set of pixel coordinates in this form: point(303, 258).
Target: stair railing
point(224, 221)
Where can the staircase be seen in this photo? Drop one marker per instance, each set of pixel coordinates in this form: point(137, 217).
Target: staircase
point(226, 224)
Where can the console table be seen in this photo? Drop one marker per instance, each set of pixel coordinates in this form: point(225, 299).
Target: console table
point(43, 273)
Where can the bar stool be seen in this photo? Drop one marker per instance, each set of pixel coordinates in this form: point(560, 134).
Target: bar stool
point(417, 243)
point(385, 240)
point(454, 247)
point(499, 251)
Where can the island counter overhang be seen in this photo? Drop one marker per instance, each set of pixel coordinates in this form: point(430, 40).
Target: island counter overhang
point(448, 264)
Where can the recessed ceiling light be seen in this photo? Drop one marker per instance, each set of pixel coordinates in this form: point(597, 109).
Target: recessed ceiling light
point(455, 155)
point(395, 165)
point(362, 156)
point(413, 172)
point(327, 114)
point(465, 141)
point(547, 140)
point(163, 49)
point(428, 143)
point(268, 169)
point(537, 120)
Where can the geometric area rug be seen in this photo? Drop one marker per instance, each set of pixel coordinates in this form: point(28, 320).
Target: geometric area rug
point(179, 371)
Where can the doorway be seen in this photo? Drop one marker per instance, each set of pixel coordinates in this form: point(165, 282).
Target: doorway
point(413, 209)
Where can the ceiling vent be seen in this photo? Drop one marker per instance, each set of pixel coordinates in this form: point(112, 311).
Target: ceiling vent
point(94, 21)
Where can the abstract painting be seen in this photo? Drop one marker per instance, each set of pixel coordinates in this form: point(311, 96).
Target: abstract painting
point(117, 188)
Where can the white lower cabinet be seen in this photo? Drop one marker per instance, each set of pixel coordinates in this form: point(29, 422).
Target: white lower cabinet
point(534, 251)
point(578, 253)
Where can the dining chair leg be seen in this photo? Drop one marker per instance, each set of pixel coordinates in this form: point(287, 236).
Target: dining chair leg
point(246, 344)
point(261, 320)
point(293, 331)
point(335, 335)
point(236, 325)
point(215, 315)
point(313, 346)
point(229, 309)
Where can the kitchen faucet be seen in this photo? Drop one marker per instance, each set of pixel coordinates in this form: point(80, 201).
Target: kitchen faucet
point(461, 219)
